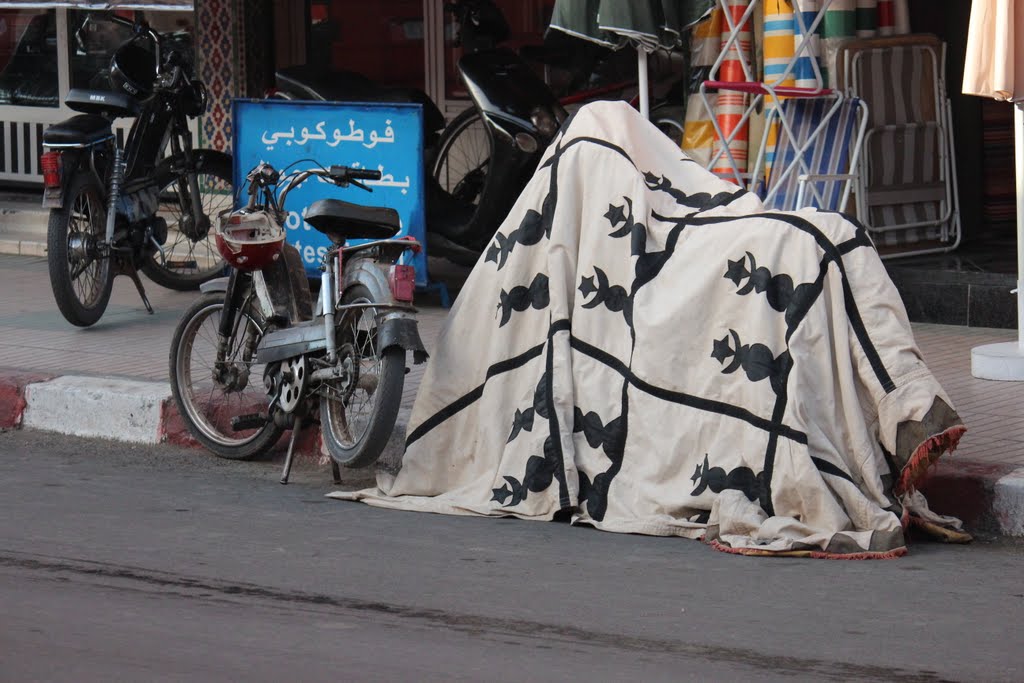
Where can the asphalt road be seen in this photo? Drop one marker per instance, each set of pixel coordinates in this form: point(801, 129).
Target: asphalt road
point(119, 562)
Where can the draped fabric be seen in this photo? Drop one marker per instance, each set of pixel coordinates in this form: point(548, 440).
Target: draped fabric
point(648, 350)
point(994, 63)
point(731, 149)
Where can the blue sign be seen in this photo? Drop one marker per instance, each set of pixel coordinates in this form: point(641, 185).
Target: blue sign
point(298, 135)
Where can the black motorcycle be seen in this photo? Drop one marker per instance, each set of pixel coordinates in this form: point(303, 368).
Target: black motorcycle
point(476, 166)
point(146, 205)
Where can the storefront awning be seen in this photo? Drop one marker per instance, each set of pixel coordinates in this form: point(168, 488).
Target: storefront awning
point(111, 4)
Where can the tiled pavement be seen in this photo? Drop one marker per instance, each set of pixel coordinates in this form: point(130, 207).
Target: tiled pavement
point(993, 411)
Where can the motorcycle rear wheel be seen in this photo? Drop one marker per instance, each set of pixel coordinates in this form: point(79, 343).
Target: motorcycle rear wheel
point(357, 421)
point(191, 262)
point(209, 393)
point(80, 277)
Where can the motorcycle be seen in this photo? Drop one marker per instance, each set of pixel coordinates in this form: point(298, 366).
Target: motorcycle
point(477, 165)
point(251, 358)
point(110, 205)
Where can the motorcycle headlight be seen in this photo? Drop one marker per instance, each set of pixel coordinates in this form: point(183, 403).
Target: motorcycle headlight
point(526, 142)
point(544, 121)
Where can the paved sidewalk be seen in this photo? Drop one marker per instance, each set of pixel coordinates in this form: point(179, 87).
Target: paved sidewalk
point(983, 482)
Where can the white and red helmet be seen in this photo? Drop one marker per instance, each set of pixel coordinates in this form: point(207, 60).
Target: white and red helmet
point(249, 240)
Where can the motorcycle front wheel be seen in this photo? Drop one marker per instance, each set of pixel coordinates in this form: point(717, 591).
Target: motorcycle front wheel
point(223, 402)
point(463, 157)
point(670, 120)
point(358, 410)
point(80, 276)
point(190, 255)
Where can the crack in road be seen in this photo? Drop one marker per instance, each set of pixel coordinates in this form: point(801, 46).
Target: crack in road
point(471, 623)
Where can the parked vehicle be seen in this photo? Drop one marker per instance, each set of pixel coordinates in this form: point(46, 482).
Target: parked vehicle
point(144, 205)
point(488, 152)
point(519, 112)
point(252, 358)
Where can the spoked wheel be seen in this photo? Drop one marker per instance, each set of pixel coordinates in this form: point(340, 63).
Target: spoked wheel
point(670, 120)
point(81, 277)
point(359, 409)
point(223, 402)
point(190, 255)
point(463, 156)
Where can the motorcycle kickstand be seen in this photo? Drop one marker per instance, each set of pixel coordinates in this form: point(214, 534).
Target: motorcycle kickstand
point(296, 428)
point(134, 275)
point(335, 471)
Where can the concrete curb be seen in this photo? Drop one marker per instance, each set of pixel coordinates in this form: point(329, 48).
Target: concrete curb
point(120, 409)
point(988, 498)
point(23, 230)
point(22, 247)
point(136, 412)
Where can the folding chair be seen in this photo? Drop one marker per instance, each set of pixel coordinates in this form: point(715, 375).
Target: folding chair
point(907, 194)
point(817, 153)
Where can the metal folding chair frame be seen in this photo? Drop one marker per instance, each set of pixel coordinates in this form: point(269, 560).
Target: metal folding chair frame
point(759, 91)
point(948, 222)
point(802, 151)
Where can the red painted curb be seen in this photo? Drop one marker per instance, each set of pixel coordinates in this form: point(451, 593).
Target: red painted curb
point(965, 490)
point(174, 431)
point(172, 426)
point(12, 396)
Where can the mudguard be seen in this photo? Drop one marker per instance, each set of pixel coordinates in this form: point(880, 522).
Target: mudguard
point(217, 284)
point(75, 162)
point(402, 332)
point(398, 328)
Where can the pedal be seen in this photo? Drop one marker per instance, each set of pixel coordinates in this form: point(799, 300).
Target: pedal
point(172, 263)
point(240, 423)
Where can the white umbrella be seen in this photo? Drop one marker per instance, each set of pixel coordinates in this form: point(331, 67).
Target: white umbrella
point(994, 67)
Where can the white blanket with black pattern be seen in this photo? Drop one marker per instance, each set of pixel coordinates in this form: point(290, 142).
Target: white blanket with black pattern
point(645, 347)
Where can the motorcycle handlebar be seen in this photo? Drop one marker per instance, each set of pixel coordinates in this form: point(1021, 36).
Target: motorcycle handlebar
point(345, 173)
point(265, 175)
point(141, 28)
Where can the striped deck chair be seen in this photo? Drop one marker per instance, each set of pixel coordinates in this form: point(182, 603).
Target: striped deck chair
point(907, 194)
point(817, 153)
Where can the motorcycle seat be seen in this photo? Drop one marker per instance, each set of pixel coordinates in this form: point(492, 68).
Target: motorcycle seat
point(102, 102)
point(81, 130)
point(342, 221)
